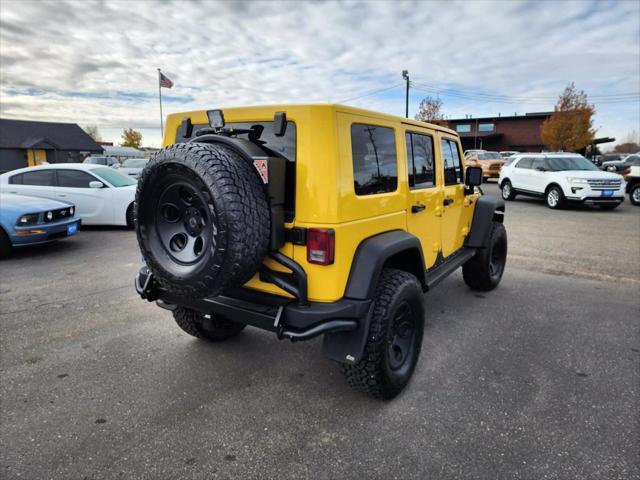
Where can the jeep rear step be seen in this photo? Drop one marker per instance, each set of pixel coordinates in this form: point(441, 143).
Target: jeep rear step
point(288, 318)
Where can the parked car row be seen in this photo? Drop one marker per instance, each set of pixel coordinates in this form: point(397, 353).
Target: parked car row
point(621, 164)
point(129, 166)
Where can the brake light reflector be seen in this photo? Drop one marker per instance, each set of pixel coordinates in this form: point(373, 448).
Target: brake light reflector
point(627, 171)
point(320, 246)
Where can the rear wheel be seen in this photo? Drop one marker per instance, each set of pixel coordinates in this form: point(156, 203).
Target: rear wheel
point(206, 327)
point(394, 338)
point(634, 194)
point(554, 198)
point(484, 271)
point(5, 244)
point(507, 190)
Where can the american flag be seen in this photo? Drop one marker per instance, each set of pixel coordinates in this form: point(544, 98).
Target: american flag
point(164, 81)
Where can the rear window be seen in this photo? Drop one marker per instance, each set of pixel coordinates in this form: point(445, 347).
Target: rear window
point(375, 164)
point(114, 177)
point(41, 178)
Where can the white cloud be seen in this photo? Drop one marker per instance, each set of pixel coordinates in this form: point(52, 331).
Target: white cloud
point(72, 61)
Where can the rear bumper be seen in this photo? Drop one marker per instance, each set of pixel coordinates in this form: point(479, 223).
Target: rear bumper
point(287, 318)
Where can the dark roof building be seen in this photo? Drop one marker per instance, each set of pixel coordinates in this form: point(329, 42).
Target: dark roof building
point(499, 134)
point(25, 143)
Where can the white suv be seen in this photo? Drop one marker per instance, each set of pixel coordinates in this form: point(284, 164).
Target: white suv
point(560, 178)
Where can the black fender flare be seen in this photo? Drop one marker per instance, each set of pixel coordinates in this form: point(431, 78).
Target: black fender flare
point(394, 249)
point(487, 211)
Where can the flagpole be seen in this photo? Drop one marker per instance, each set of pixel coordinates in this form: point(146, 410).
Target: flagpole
point(160, 97)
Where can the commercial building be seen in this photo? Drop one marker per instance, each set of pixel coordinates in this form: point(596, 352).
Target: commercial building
point(501, 133)
point(25, 143)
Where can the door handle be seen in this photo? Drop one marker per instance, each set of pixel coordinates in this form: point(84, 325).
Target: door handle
point(417, 208)
point(62, 195)
point(447, 201)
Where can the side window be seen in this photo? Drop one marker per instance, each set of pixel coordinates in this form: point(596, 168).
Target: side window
point(74, 179)
point(451, 162)
point(375, 168)
point(536, 163)
point(420, 160)
point(524, 163)
point(16, 179)
point(43, 178)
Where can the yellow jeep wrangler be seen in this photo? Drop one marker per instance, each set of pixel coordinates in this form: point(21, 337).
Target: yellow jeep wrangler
point(310, 220)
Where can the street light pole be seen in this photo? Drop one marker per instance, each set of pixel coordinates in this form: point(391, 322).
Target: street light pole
point(405, 75)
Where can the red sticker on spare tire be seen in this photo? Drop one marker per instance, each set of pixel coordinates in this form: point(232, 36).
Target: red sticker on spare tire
point(263, 170)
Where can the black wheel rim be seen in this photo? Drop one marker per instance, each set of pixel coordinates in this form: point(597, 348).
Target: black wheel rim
point(402, 336)
point(184, 222)
point(498, 256)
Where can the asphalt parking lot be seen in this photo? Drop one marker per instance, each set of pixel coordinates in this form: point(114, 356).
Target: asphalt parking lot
point(538, 379)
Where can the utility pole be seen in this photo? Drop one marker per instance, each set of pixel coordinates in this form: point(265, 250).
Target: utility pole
point(405, 75)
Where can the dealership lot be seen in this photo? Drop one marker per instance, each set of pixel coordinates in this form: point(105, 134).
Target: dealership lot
point(538, 379)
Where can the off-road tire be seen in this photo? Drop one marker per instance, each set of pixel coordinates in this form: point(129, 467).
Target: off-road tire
point(215, 329)
point(5, 244)
point(508, 193)
point(231, 215)
point(634, 191)
point(374, 374)
point(484, 270)
point(549, 200)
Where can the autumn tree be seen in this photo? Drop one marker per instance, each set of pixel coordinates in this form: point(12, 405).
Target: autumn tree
point(92, 131)
point(570, 127)
point(430, 110)
point(131, 138)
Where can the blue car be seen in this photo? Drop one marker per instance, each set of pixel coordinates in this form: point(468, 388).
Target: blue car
point(32, 221)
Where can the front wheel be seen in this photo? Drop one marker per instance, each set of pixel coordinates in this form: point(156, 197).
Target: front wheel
point(484, 271)
point(554, 198)
point(634, 194)
point(207, 327)
point(394, 338)
point(5, 244)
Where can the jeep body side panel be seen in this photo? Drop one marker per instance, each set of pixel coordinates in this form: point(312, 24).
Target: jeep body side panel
point(402, 249)
point(487, 210)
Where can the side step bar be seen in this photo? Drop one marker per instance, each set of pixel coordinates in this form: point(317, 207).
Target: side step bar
point(442, 271)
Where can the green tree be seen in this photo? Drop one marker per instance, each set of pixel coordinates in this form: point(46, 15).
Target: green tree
point(570, 127)
point(131, 138)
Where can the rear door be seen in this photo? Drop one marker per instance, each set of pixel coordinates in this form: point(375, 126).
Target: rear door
point(520, 173)
point(424, 209)
point(39, 182)
point(455, 210)
point(93, 205)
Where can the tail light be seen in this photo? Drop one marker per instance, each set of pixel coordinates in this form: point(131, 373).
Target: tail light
point(627, 170)
point(321, 246)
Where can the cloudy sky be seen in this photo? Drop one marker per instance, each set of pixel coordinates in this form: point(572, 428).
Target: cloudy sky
point(94, 63)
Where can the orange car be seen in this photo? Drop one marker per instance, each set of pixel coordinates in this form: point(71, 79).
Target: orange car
point(490, 162)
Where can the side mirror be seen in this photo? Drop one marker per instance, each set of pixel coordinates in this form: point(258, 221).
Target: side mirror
point(473, 176)
point(96, 184)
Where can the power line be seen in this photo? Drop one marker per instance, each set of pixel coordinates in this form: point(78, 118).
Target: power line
point(622, 98)
point(370, 93)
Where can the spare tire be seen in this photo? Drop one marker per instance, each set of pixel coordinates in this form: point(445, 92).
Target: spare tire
point(202, 218)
